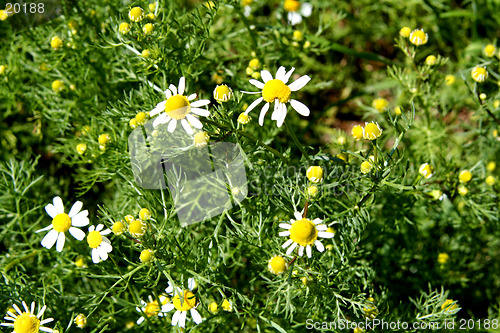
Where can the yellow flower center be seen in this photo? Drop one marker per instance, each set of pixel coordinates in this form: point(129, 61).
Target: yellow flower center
point(177, 107)
point(136, 14)
point(94, 238)
point(292, 5)
point(62, 222)
point(137, 228)
point(276, 89)
point(26, 323)
point(303, 232)
point(187, 304)
point(277, 265)
point(152, 309)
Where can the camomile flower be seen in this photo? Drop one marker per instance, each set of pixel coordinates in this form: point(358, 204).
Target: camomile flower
point(276, 90)
point(62, 222)
point(188, 303)
point(99, 243)
point(178, 107)
point(303, 233)
point(297, 10)
point(26, 321)
point(152, 308)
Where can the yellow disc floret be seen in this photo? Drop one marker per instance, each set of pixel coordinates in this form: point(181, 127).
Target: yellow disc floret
point(147, 28)
point(418, 37)
point(276, 89)
point(358, 132)
point(303, 232)
point(490, 50)
point(189, 301)
point(136, 14)
point(315, 174)
point(213, 307)
point(124, 28)
point(443, 258)
point(118, 228)
point(201, 139)
point(137, 228)
point(146, 255)
point(243, 118)
point(56, 42)
point(144, 214)
point(366, 167)
point(57, 85)
point(277, 265)
point(464, 176)
point(61, 222)
point(405, 32)
point(372, 131)
point(152, 309)
point(479, 74)
point(81, 148)
point(380, 104)
point(177, 107)
point(94, 238)
point(292, 5)
point(223, 93)
point(26, 323)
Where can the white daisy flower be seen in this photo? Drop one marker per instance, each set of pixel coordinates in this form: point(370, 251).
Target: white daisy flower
point(297, 10)
point(62, 222)
point(99, 243)
point(276, 90)
point(188, 303)
point(152, 308)
point(26, 321)
point(303, 233)
point(178, 107)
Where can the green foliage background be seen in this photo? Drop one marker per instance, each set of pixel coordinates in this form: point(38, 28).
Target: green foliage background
point(389, 229)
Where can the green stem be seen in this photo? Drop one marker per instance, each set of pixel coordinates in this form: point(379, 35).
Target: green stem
point(297, 143)
point(18, 260)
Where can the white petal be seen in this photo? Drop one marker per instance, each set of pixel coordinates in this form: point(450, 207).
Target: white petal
point(263, 113)
point(80, 219)
point(294, 18)
point(201, 102)
point(58, 204)
point(266, 75)
point(253, 105)
point(45, 321)
point(284, 233)
point(282, 116)
point(288, 74)
point(77, 233)
point(299, 83)
point(187, 127)
point(309, 251)
point(319, 246)
point(167, 307)
point(60, 241)
point(176, 317)
point(324, 234)
point(140, 320)
point(287, 243)
point(95, 256)
point(45, 229)
point(158, 108)
point(42, 310)
point(172, 125)
point(106, 232)
point(17, 309)
point(317, 221)
point(182, 85)
point(103, 254)
point(280, 74)
point(194, 121)
point(286, 226)
point(301, 251)
point(256, 83)
point(26, 307)
point(291, 248)
point(99, 227)
point(91, 228)
point(322, 227)
point(200, 112)
point(106, 246)
point(196, 316)
point(168, 94)
point(169, 289)
point(306, 9)
point(191, 283)
point(300, 108)
point(173, 89)
point(77, 206)
point(51, 210)
point(182, 319)
point(161, 119)
point(50, 239)
point(191, 97)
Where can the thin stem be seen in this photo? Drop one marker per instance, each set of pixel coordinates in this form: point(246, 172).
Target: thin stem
point(297, 143)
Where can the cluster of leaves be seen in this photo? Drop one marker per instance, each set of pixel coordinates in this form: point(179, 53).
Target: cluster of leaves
point(390, 224)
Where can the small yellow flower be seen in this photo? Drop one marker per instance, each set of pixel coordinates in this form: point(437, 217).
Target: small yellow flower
point(147, 28)
point(124, 28)
point(129, 324)
point(496, 103)
point(405, 32)
point(255, 75)
point(144, 214)
point(298, 35)
point(479, 74)
point(291, 5)
point(58, 86)
point(80, 262)
point(243, 118)
point(81, 320)
point(343, 157)
point(443, 258)
point(358, 132)
point(146, 53)
point(426, 170)
point(146, 255)
point(246, 2)
point(491, 166)
point(3, 69)
point(277, 265)
point(137, 228)
point(431, 60)
point(3, 15)
point(341, 140)
point(201, 139)
point(366, 167)
point(254, 64)
point(152, 6)
point(81, 148)
point(490, 180)
point(312, 191)
point(315, 174)
point(129, 219)
point(448, 305)
point(227, 305)
point(223, 93)
point(449, 79)
point(103, 139)
point(464, 176)
point(218, 79)
point(118, 228)
point(380, 104)
point(398, 110)
point(136, 14)
point(372, 131)
point(140, 118)
point(56, 42)
point(133, 123)
point(151, 16)
point(358, 329)
point(213, 307)
point(482, 96)
point(490, 50)
point(418, 37)
point(462, 190)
